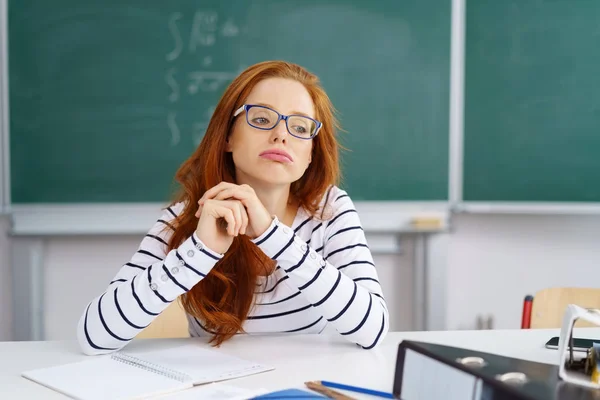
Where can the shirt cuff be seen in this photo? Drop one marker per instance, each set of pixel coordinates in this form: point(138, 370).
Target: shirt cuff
point(275, 239)
point(183, 267)
point(199, 245)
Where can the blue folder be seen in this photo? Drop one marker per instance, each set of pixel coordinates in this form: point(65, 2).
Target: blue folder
point(289, 394)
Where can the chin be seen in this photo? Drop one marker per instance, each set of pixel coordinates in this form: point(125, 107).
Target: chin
point(277, 180)
point(275, 177)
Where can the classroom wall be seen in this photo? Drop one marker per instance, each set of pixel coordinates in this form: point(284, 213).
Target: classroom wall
point(79, 268)
point(495, 260)
point(485, 267)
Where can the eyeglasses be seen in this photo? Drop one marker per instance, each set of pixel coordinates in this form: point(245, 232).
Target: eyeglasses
point(265, 118)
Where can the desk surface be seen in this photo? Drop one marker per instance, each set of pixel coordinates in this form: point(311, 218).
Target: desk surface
point(296, 359)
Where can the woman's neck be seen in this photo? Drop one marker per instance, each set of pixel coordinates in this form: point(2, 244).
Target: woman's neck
point(278, 202)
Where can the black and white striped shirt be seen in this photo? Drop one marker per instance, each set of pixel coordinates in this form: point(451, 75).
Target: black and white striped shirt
point(325, 278)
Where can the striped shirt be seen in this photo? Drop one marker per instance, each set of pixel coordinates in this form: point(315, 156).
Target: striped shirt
point(325, 278)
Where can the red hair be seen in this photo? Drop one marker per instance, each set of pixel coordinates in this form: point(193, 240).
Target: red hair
point(221, 301)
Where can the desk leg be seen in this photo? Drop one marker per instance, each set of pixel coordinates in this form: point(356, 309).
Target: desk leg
point(420, 280)
point(27, 261)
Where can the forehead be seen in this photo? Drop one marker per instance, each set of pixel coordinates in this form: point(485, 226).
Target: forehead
point(284, 95)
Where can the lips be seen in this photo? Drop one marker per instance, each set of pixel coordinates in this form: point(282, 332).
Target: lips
point(277, 155)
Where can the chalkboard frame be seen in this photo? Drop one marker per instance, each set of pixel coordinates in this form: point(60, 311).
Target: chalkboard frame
point(145, 212)
point(457, 202)
point(425, 117)
point(41, 219)
point(4, 127)
point(512, 201)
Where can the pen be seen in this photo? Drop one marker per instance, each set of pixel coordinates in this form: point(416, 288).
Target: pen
point(332, 394)
point(357, 389)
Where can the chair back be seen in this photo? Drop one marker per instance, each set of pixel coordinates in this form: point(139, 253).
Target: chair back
point(549, 305)
point(171, 323)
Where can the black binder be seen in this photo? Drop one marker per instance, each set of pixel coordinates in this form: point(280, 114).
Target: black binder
point(427, 371)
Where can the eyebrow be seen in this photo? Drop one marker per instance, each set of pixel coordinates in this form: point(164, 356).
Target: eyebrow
point(291, 113)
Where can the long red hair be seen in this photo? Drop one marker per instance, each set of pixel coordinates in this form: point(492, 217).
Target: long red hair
point(222, 300)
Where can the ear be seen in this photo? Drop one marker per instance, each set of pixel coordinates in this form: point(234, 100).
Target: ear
point(228, 146)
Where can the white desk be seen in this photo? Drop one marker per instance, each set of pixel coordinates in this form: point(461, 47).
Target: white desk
point(296, 358)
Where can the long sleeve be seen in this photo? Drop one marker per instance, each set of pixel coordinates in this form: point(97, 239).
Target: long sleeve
point(143, 288)
point(343, 283)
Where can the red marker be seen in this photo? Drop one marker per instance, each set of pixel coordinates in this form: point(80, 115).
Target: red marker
point(526, 316)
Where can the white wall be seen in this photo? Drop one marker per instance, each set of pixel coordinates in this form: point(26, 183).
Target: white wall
point(5, 283)
point(495, 260)
point(486, 265)
point(78, 269)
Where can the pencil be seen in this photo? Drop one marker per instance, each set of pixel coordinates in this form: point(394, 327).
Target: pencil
point(330, 393)
point(357, 389)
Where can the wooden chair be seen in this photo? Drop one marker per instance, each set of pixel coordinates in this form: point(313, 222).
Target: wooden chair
point(171, 323)
point(549, 305)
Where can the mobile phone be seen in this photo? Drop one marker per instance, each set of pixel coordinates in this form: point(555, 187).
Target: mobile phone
point(579, 344)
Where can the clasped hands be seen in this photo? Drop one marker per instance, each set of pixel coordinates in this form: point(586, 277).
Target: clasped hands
point(227, 210)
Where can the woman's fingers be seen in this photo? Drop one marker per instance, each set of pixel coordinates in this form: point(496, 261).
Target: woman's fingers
point(227, 214)
point(225, 194)
point(225, 190)
point(244, 218)
point(235, 207)
point(232, 211)
point(210, 193)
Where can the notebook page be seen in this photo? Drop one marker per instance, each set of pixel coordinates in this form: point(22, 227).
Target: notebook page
point(203, 365)
point(103, 378)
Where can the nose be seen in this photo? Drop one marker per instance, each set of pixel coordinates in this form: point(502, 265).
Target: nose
point(279, 132)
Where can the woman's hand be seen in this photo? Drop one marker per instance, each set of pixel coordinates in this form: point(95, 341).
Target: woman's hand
point(259, 218)
point(219, 222)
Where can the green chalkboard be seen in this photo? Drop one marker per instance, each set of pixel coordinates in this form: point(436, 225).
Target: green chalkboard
point(108, 97)
point(532, 104)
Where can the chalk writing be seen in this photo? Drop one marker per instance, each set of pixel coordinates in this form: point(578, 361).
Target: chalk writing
point(174, 129)
point(208, 81)
point(170, 78)
point(205, 30)
point(174, 54)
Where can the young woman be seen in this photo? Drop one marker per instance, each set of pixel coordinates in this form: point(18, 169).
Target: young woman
point(260, 238)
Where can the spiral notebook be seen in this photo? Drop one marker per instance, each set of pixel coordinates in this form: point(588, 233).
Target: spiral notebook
point(124, 375)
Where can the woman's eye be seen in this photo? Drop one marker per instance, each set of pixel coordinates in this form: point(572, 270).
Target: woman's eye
point(299, 129)
point(260, 121)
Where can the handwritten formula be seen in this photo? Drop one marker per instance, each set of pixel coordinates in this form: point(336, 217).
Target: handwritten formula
point(207, 31)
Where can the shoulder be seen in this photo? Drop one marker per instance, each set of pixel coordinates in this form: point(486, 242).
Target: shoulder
point(173, 210)
point(334, 202)
point(165, 221)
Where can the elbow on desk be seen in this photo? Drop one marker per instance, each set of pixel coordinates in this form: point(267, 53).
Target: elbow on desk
point(371, 344)
point(376, 342)
point(90, 351)
point(85, 343)
point(369, 341)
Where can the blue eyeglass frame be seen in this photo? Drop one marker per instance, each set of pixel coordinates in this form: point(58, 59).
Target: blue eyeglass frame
point(280, 117)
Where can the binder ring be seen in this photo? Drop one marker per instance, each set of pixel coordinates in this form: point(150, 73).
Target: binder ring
point(472, 361)
point(148, 366)
point(515, 378)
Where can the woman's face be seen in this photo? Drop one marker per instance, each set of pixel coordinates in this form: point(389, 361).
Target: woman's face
point(272, 157)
